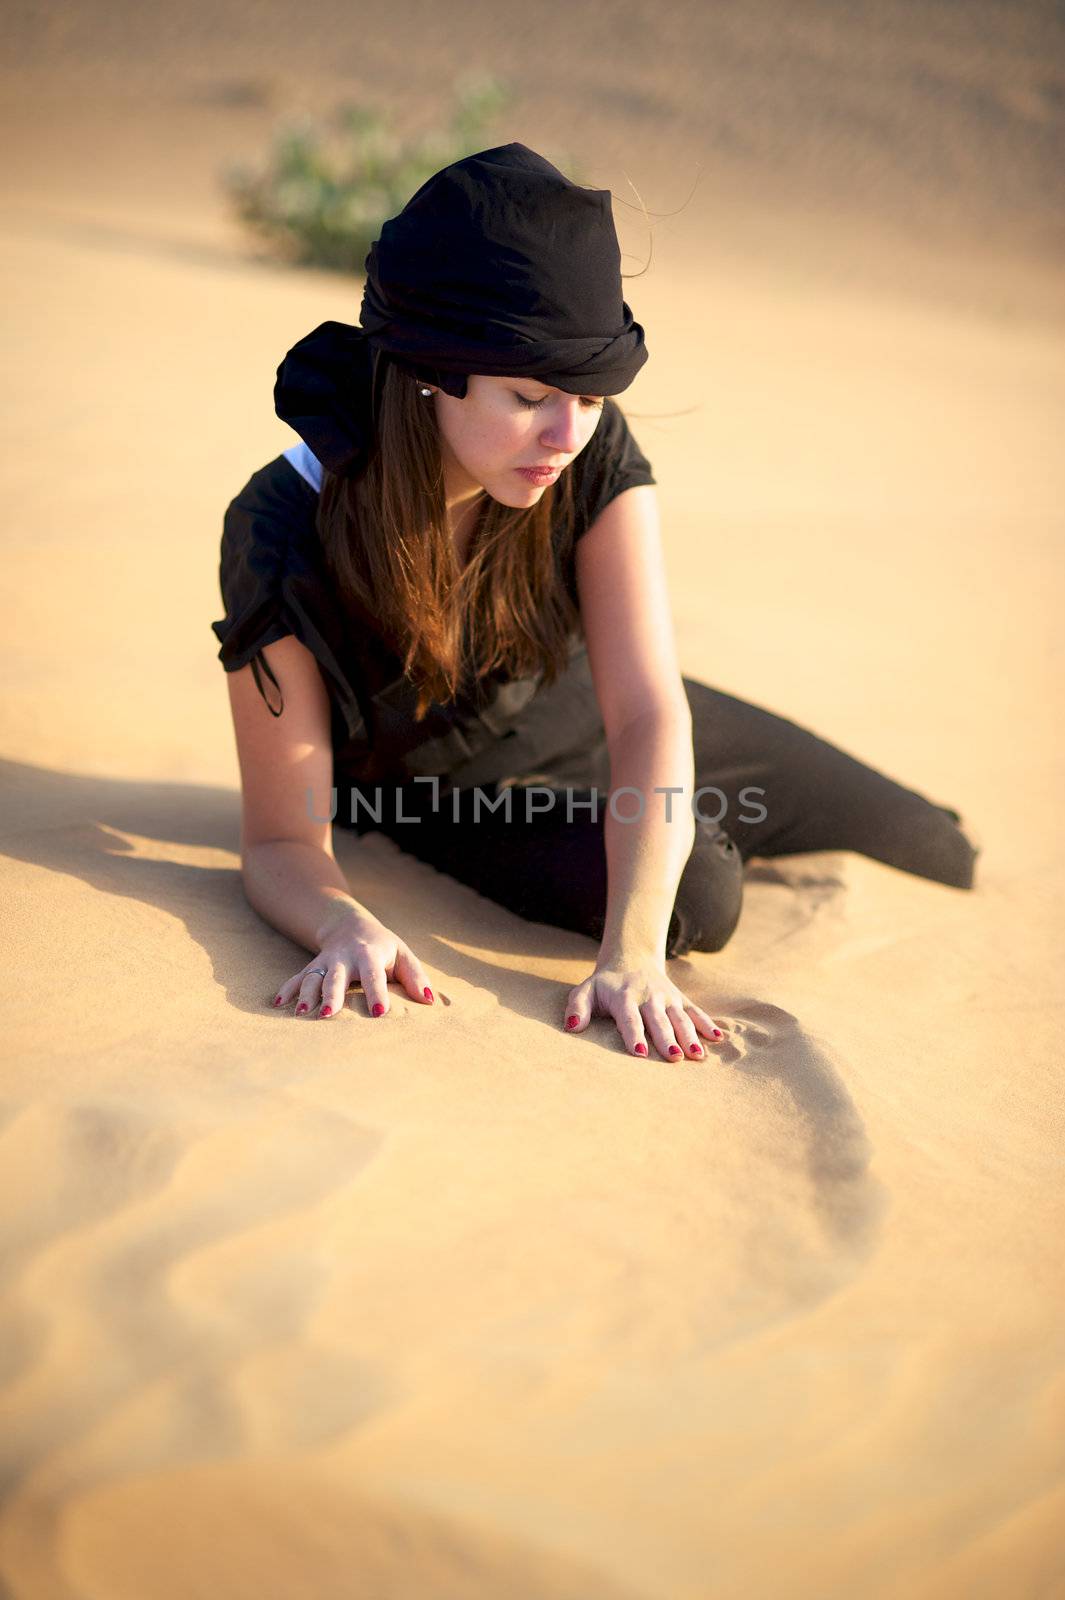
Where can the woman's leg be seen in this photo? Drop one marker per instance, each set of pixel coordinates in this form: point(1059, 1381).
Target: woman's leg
point(549, 868)
point(814, 796)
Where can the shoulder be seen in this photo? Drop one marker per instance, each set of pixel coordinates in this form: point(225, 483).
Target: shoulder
point(271, 566)
point(303, 459)
point(272, 518)
point(610, 462)
point(280, 489)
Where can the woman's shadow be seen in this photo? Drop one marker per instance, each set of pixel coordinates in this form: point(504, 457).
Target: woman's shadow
point(159, 843)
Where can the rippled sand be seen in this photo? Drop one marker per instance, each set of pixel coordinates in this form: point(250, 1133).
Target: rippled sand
point(451, 1306)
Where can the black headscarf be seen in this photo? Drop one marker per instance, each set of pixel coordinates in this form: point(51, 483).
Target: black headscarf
point(498, 264)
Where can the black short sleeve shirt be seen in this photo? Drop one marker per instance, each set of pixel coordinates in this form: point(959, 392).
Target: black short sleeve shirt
point(274, 582)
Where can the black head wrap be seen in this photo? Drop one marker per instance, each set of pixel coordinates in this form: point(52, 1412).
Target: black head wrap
point(498, 264)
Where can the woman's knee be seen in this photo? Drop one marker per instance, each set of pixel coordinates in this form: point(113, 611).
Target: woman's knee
point(709, 896)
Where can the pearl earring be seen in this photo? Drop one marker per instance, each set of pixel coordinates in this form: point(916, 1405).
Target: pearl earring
point(425, 391)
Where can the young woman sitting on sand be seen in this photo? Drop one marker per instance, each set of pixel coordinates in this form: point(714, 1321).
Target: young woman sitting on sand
point(454, 589)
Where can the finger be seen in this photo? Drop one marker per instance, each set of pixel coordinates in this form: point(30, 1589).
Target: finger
point(704, 1023)
point(287, 992)
point(334, 988)
point(579, 1007)
point(631, 1028)
point(684, 1028)
point(374, 985)
point(409, 971)
point(659, 1026)
point(310, 992)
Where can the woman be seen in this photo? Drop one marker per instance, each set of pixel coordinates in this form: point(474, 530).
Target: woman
point(447, 618)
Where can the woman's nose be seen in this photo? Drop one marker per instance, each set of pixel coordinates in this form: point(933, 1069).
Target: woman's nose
point(564, 433)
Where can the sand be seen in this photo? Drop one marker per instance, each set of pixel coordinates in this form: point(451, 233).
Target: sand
point(454, 1305)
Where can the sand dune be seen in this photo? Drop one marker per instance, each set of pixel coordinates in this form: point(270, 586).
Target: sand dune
point(454, 1307)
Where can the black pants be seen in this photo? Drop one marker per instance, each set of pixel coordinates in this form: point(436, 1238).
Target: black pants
point(777, 790)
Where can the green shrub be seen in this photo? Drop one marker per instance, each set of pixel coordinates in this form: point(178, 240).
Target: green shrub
point(331, 183)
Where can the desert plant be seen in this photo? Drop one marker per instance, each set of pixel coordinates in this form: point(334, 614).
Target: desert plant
point(331, 183)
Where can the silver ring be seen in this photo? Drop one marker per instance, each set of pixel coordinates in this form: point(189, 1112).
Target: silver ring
point(314, 970)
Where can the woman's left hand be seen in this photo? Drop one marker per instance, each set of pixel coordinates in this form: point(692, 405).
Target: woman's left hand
point(645, 1004)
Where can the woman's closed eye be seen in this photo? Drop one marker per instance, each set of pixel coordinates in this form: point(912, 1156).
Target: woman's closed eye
point(590, 401)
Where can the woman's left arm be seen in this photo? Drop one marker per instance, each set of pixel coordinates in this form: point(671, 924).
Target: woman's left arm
point(648, 834)
point(648, 831)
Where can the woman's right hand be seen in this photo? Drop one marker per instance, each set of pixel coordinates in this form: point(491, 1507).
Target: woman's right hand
point(361, 951)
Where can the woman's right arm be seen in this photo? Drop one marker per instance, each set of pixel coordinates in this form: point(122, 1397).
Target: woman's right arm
point(290, 874)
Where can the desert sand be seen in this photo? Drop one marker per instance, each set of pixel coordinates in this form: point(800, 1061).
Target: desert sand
point(454, 1305)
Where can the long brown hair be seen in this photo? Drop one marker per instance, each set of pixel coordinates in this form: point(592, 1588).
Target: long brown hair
point(387, 542)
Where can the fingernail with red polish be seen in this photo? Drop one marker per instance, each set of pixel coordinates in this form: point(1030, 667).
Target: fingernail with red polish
point(697, 1049)
point(301, 1007)
point(674, 1049)
point(326, 1011)
point(718, 1034)
point(641, 1049)
point(378, 1010)
point(277, 1001)
point(428, 993)
point(571, 1022)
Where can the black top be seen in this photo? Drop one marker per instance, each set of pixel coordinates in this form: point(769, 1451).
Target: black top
point(274, 582)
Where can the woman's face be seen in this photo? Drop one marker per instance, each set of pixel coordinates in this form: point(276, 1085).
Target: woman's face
point(503, 425)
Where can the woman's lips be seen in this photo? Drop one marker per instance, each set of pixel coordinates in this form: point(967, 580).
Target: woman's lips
point(540, 475)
